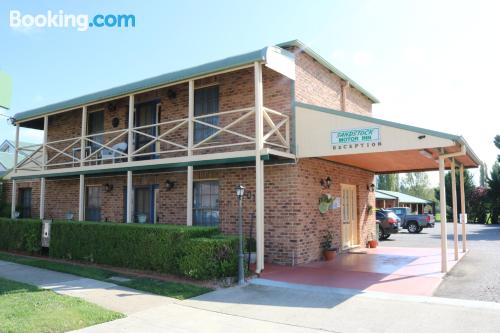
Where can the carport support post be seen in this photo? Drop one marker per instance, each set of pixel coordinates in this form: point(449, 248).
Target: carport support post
point(462, 210)
point(13, 200)
point(259, 169)
point(442, 205)
point(42, 198)
point(130, 194)
point(189, 203)
point(455, 214)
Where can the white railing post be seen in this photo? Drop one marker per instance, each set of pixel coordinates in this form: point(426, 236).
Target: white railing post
point(131, 106)
point(189, 203)
point(442, 205)
point(44, 145)
point(130, 194)
point(81, 199)
point(259, 168)
point(462, 210)
point(13, 199)
point(83, 142)
point(16, 148)
point(42, 198)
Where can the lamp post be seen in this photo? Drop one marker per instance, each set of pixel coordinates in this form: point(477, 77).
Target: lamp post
point(240, 192)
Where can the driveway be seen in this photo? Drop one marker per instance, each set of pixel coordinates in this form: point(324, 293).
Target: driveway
point(477, 275)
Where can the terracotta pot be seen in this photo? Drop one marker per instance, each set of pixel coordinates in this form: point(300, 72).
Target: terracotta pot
point(372, 244)
point(329, 255)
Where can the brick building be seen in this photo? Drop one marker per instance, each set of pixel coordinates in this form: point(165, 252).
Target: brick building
point(281, 121)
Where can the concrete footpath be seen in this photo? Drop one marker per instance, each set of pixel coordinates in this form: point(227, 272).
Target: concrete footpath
point(268, 306)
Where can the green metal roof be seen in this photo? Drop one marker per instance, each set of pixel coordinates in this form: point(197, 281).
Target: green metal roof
point(211, 67)
point(402, 197)
point(322, 61)
point(381, 195)
point(7, 160)
point(185, 74)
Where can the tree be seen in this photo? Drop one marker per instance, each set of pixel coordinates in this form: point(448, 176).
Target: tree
point(483, 174)
point(494, 192)
point(496, 141)
point(388, 182)
point(478, 203)
point(468, 188)
point(417, 184)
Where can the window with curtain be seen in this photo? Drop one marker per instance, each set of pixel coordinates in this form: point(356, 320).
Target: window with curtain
point(206, 101)
point(206, 203)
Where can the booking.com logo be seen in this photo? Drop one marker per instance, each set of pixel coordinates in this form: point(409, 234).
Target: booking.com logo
point(82, 22)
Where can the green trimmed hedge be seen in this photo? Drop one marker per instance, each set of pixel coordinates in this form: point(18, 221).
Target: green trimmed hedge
point(148, 247)
point(207, 258)
point(20, 235)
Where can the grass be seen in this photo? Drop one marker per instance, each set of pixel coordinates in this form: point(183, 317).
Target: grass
point(164, 288)
point(25, 308)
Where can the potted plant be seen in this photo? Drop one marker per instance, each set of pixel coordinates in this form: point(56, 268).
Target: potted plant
point(372, 243)
point(329, 252)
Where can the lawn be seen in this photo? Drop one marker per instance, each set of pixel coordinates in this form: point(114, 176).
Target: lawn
point(165, 288)
point(26, 308)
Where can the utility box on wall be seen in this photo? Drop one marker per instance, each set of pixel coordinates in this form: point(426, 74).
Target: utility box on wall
point(46, 232)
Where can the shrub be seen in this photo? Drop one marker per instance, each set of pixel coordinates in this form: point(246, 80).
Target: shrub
point(148, 247)
point(208, 258)
point(20, 235)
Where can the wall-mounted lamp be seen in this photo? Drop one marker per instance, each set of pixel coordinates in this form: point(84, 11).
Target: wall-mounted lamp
point(115, 122)
point(325, 183)
point(370, 188)
point(169, 185)
point(171, 94)
point(108, 187)
point(420, 137)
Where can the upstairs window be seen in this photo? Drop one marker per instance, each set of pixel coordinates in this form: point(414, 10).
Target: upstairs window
point(206, 101)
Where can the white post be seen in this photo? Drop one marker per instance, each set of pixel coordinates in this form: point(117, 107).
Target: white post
point(130, 193)
point(442, 205)
point(83, 141)
point(259, 168)
point(131, 106)
point(42, 198)
point(13, 200)
point(189, 204)
point(81, 199)
point(455, 214)
point(16, 152)
point(464, 214)
point(44, 145)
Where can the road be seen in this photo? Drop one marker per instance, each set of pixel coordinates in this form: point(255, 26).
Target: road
point(477, 276)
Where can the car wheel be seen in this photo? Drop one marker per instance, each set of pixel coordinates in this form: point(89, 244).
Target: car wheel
point(386, 236)
point(380, 233)
point(413, 227)
point(420, 229)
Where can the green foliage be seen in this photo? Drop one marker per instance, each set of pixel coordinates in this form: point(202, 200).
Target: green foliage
point(388, 182)
point(4, 205)
point(468, 188)
point(479, 205)
point(494, 192)
point(166, 288)
point(207, 258)
point(496, 141)
point(20, 235)
point(417, 184)
point(148, 247)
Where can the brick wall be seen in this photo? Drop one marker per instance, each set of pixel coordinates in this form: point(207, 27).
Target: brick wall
point(294, 227)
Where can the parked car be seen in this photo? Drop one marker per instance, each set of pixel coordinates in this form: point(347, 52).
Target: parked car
point(388, 223)
point(414, 223)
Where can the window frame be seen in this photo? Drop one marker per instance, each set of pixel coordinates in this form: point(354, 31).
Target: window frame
point(201, 131)
point(199, 209)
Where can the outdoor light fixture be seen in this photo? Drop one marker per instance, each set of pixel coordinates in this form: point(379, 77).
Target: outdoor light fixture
point(240, 192)
point(169, 185)
point(425, 153)
point(420, 137)
point(371, 187)
point(325, 183)
point(115, 122)
point(108, 187)
point(171, 94)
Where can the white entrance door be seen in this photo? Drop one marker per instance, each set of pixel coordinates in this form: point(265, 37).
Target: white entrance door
point(349, 216)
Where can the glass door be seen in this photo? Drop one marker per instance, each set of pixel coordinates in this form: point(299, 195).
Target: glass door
point(146, 114)
point(93, 203)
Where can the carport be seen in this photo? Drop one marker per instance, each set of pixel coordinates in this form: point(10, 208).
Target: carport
point(382, 146)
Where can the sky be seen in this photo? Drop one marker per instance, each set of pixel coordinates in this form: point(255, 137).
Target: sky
point(432, 64)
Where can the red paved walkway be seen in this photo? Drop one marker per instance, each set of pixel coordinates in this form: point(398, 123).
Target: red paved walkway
point(413, 271)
